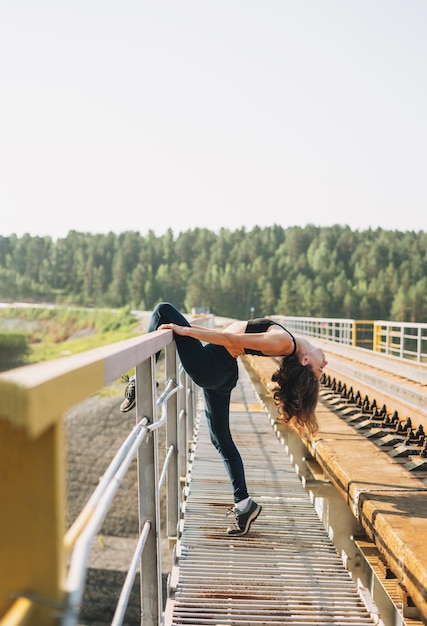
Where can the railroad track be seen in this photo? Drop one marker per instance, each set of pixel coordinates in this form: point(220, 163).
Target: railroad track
point(371, 448)
point(384, 399)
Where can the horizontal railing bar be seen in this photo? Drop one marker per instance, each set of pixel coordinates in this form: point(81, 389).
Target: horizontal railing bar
point(401, 324)
point(70, 380)
point(123, 601)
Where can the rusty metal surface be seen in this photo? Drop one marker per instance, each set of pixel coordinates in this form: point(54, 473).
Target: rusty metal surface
point(286, 570)
point(388, 498)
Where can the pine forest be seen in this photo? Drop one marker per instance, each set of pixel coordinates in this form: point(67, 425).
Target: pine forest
point(300, 271)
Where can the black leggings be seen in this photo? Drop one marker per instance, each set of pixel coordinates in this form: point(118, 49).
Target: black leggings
point(215, 371)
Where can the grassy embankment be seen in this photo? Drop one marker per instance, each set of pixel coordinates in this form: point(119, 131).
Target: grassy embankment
point(59, 331)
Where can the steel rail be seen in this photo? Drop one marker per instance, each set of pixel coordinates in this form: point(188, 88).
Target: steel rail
point(404, 393)
point(397, 383)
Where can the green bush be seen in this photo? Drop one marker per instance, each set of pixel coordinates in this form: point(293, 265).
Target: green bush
point(14, 349)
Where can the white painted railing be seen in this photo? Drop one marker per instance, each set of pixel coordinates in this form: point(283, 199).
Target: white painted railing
point(403, 340)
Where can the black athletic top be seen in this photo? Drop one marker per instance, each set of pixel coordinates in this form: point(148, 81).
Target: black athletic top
point(260, 325)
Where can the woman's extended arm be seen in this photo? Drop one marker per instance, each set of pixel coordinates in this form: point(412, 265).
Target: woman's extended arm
point(274, 342)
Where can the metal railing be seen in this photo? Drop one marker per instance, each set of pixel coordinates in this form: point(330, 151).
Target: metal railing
point(404, 340)
point(401, 339)
point(37, 554)
point(328, 329)
point(141, 442)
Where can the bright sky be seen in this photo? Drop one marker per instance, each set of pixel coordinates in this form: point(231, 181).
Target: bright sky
point(120, 115)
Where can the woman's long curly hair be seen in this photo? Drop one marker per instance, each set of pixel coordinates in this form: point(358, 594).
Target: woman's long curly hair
point(296, 393)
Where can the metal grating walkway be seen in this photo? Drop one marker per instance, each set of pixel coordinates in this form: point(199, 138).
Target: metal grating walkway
point(286, 570)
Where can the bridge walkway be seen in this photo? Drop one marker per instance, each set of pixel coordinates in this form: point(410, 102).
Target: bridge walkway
point(286, 570)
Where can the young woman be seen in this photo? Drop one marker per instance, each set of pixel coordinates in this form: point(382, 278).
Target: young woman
point(209, 357)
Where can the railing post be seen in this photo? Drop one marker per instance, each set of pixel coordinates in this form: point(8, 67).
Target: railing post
point(354, 333)
point(190, 410)
point(32, 506)
point(172, 484)
point(150, 583)
point(182, 431)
